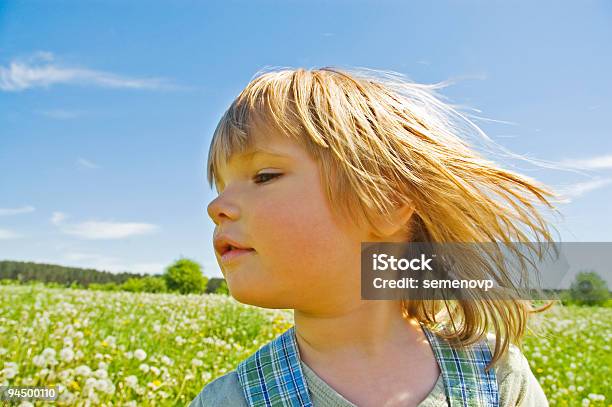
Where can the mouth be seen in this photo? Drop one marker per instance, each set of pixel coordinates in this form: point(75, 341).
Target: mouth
point(229, 249)
point(234, 253)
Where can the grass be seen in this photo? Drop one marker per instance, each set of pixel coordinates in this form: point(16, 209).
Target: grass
point(119, 348)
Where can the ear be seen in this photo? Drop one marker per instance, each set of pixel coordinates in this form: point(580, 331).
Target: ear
point(394, 226)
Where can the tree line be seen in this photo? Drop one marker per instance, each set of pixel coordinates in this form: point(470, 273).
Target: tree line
point(183, 276)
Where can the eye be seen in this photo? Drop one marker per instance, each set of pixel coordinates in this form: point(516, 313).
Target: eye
point(265, 177)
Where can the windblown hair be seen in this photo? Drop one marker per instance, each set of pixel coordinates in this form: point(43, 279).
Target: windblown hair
point(382, 140)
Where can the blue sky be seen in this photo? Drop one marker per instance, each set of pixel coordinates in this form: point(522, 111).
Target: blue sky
point(107, 109)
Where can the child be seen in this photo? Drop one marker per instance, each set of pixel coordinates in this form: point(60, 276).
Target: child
point(310, 163)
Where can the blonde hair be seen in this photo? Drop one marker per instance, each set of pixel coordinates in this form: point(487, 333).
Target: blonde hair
point(382, 140)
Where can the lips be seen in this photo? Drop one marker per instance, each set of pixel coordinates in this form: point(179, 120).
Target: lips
point(224, 246)
point(234, 254)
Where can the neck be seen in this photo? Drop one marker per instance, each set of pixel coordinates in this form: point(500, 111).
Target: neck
point(369, 330)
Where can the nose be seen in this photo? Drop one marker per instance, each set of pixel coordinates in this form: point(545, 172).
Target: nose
point(220, 208)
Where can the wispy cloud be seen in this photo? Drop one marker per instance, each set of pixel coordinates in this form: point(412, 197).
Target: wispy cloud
point(483, 76)
point(593, 163)
point(42, 70)
point(86, 163)
point(97, 230)
point(6, 234)
point(16, 211)
point(58, 217)
point(581, 188)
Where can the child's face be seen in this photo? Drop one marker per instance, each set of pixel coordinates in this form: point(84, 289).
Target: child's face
point(303, 258)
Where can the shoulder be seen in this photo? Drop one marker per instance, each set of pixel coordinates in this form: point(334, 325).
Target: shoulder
point(223, 391)
point(517, 384)
point(226, 390)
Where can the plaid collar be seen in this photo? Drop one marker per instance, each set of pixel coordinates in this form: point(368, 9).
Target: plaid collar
point(273, 377)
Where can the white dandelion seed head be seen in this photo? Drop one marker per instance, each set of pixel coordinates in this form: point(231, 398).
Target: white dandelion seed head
point(131, 381)
point(140, 354)
point(67, 354)
point(83, 370)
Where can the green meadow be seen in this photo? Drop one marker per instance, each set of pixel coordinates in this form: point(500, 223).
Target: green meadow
point(142, 349)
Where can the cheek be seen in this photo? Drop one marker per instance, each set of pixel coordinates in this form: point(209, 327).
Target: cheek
point(299, 237)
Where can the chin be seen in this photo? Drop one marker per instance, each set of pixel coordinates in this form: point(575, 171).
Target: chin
point(259, 296)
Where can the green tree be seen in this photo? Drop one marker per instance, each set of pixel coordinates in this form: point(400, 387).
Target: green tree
point(222, 289)
point(185, 276)
point(132, 285)
point(149, 284)
point(589, 289)
point(104, 286)
point(154, 284)
point(216, 285)
point(47, 273)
